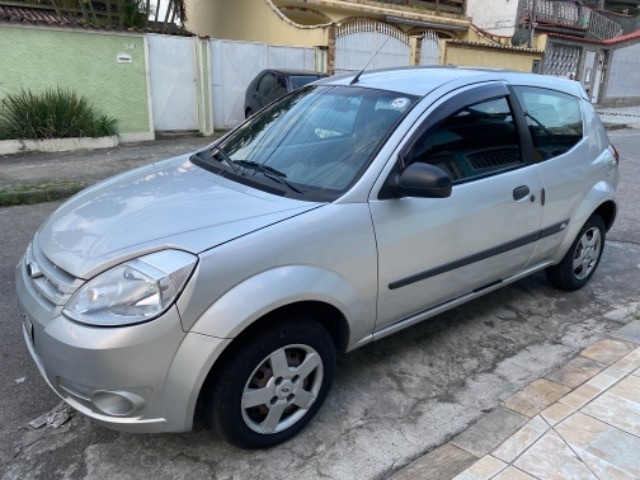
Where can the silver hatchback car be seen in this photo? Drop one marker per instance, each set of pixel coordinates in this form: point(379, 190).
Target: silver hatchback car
point(348, 210)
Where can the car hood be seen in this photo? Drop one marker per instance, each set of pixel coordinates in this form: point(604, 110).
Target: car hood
point(171, 204)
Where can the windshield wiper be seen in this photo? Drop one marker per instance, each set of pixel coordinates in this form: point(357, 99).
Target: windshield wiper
point(217, 151)
point(261, 167)
point(269, 172)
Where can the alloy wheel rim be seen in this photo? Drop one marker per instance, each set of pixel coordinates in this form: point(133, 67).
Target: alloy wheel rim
point(282, 388)
point(587, 253)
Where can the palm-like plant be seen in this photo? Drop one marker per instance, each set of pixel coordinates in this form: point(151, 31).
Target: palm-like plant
point(116, 13)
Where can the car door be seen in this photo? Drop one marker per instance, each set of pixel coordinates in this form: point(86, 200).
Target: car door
point(432, 250)
point(568, 159)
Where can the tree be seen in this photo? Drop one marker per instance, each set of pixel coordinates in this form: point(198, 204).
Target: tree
point(116, 13)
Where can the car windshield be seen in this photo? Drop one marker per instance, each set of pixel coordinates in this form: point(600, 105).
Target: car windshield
point(313, 144)
point(298, 81)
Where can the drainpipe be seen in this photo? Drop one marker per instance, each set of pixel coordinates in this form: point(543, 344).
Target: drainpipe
point(532, 21)
point(582, 20)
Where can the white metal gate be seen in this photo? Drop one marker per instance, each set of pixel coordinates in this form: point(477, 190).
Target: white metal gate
point(173, 73)
point(561, 60)
point(234, 64)
point(430, 49)
point(624, 72)
point(358, 41)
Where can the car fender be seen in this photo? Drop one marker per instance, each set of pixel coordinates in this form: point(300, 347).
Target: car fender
point(600, 193)
point(189, 369)
point(232, 313)
point(269, 290)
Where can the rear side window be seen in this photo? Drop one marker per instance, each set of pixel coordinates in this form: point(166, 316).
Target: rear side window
point(300, 81)
point(266, 83)
point(279, 88)
point(554, 120)
point(477, 141)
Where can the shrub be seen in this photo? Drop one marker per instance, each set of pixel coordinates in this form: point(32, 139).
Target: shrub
point(54, 113)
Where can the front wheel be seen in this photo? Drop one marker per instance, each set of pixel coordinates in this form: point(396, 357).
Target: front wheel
point(582, 259)
point(273, 384)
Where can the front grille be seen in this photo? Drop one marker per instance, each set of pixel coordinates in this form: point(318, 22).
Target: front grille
point(53, 285)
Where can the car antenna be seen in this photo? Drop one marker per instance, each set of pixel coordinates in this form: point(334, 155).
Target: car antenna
point(357, 77)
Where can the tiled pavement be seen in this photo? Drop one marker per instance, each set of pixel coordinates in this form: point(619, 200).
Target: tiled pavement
point(581, 421)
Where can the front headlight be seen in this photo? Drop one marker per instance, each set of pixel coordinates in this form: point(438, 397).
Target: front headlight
point(136, 291)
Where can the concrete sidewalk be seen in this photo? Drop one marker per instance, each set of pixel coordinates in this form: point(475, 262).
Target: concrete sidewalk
point(581, 421)
point(624, 117)
point(87, 166)
point(39, 177)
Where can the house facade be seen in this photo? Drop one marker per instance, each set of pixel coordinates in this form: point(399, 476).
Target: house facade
point(352, 34)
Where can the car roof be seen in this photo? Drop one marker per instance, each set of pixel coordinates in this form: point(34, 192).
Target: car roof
point(421, 81)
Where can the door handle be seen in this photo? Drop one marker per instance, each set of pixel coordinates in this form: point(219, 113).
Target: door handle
point(520, 192)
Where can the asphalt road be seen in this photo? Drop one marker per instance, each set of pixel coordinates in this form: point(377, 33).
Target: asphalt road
point(391, 401)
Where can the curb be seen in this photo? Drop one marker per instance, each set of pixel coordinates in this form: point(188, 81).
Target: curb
point(30, 194)
point(11, 147)
point(479, 447)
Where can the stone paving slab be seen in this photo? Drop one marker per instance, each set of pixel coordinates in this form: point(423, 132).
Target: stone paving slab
point(443, 463)
point(536, 397)
point(630, 332)
point(489, 431)
point(576, 372)
point(582, 421)
point(607, 351)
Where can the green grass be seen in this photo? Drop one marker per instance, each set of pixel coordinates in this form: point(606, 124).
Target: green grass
point(38, 192)
point(54, 113)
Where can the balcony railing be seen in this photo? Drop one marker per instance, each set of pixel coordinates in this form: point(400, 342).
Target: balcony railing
point(570, 15)
point(439, 6)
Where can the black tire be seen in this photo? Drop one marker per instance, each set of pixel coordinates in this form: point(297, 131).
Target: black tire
point(565, 275)
point(293, 394)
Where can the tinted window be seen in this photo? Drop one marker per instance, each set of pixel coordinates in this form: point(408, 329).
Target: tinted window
point(553, 118)
point(266, 83)
point(477, 141)
point(298, 81)
point(279, 89)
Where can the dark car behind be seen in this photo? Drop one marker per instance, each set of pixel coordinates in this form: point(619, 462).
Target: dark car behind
point(270, 85)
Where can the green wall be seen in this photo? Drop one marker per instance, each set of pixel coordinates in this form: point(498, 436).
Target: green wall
point(37, 58)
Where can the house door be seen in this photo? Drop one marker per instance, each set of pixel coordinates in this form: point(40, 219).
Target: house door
point(174, 88)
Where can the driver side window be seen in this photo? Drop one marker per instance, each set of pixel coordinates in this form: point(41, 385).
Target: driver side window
point(477, 141)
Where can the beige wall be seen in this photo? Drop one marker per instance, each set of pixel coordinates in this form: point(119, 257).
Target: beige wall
point(539, 41)
point(256, 20)
point(248, 20)
point(479, 56)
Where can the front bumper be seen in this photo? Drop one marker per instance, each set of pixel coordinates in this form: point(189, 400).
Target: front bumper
point(139, 378)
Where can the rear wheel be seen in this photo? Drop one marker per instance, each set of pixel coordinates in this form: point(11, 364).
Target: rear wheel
point(579, 264)
point(273, 384)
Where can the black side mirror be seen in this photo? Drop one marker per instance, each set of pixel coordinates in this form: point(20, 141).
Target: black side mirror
point(421, 180)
